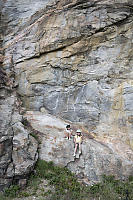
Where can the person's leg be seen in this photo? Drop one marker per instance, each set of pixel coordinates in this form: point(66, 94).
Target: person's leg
point(66, 135)
point(75, 149)
point(69, 135)
point(80, 150)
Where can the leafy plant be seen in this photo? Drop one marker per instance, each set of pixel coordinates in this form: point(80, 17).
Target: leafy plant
point(12, 191)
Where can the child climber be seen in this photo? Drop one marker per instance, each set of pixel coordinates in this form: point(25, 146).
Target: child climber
point(68, 132)
point(77, 142)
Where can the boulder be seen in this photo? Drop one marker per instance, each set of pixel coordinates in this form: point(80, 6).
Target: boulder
point(24, 153)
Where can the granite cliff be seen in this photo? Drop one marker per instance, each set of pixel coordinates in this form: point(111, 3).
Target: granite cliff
point(67, 61)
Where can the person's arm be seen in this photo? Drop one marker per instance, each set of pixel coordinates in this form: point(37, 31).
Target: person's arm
point(72, 133)
point(81, 139)
point(74, 139)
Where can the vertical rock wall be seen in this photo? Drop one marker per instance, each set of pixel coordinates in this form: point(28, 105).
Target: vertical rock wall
point(18, 150)
point(5, 118)
point(74, 59)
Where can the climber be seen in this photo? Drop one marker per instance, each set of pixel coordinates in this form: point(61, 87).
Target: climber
point(68, 132)
point(77, 142)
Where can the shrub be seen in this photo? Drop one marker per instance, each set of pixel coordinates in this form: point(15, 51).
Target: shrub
point(12, 191)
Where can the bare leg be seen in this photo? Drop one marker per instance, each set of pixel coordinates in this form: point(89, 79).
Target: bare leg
point(75, 149)
point(66, 135)
point(80, 150)
point(69, 135)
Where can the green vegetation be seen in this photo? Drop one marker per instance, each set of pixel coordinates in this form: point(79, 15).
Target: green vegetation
point(10, 192)
point(64, 186)
point(35, 136)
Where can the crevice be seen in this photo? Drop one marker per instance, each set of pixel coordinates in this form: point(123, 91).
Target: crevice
point(76, 40)
point(82, 4)
point(71, 41)
point(12, 156)
point(118, 23)
point(71, 161)
point(40, 16)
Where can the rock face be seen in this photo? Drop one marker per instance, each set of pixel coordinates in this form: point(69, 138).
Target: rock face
point(99, 155)
point(73, 60)
point(18, 149)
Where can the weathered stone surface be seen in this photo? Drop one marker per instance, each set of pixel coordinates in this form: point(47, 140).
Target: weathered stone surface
point(18, 150)
point(71, 59)
point(77, 78)
point(24, 153)
point(99, 155)
point(11, 127)
point(6, 135)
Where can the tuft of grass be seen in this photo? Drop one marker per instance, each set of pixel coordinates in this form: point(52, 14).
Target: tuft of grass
point(66, 186)
point(112, 189)
point(3, 197)
point(12, 191)
point(23, 194)
point(35, 136)
point(130, 178)
point(61, 178)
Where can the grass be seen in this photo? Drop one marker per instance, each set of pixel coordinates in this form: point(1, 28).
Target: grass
point(66, 186)
point(11, 192)
point(35, 136)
